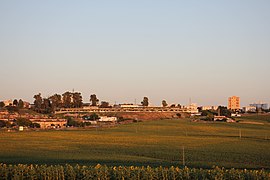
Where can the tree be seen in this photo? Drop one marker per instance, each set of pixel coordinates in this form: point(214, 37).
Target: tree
point(145, 101)
point(77, 100)
point(23, 122)
point(56, 101)
point(104, 104)
point(91, 117)
point(94, 100)
point(164, 103)
point(20, 104)
point(15, 102)
point(67, 99)
point(208, 113)
point(3, 123)
point(94, 116)
point(35, 125)
point(223, 111)
point(2, 104)
point(46, 106)
point(12, 109)
point(38, 102)
point(72, 122)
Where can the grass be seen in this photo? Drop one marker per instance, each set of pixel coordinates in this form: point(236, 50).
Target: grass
point(152, 143)
point(261, 118)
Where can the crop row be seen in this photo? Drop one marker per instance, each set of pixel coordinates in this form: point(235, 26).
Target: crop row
point(99, 172)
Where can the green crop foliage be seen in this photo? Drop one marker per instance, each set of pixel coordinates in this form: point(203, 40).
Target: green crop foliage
point(99, 172)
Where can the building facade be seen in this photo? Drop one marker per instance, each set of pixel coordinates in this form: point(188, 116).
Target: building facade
point(249, 109)
point(209, 108)
point(263, 106)
point(50, 123)
point(234, 103)
point(192, 108)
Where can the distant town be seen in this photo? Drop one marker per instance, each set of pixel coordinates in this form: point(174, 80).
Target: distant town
point(69, 111)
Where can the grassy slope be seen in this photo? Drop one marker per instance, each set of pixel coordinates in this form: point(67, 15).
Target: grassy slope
point(148, 143)
point(261, 118)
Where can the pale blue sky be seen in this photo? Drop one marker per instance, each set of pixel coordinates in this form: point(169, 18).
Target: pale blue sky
point(124, 50)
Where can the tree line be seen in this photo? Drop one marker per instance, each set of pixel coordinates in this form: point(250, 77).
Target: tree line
point(69, 100)
point(66, 100)
point(15, 103)
point(57, 101)
point(19, 122)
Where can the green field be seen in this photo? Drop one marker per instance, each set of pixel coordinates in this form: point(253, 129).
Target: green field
point(151, 143)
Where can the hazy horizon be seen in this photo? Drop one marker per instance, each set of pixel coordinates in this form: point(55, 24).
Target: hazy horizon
point(123, 50)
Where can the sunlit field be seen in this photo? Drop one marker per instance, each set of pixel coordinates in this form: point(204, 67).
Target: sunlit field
point(154, 143)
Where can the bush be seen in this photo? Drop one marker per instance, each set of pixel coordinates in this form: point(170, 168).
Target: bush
point(23, 122)
point(3, 123)
point(35, 125)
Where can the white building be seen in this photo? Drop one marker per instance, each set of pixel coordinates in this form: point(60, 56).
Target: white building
point(192, 108)
point(249, 109)
point(236, 115)
point(209, 108)
point(107, 119)
point(260, 105)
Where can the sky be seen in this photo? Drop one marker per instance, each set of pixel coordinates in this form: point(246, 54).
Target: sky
point(124, 50)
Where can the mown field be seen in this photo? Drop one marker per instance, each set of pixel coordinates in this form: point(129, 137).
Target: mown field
point(154, 143)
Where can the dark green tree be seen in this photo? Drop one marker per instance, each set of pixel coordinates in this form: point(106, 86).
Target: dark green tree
point(15, 102)
point(2, 104)
point(145, 101)
point(223, 111)
point(94, 116)
point(77, 100)
point(3, 123)
point(67, 98)
point(104, 104)
point(94, 100)
point(208, 115)
point(46, 106)
point(38, 102)
point(12, 109)
point(20, 104)
point(56, 101)
point(23, 122)
point(35, 125)
point(164, 103)
point(72, 122)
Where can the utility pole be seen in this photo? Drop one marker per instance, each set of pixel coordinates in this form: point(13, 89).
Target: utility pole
point(183, 156)
point(136, 125)
point(240, 134)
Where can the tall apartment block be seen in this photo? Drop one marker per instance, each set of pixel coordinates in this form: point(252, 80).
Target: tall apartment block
point(234, 103)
